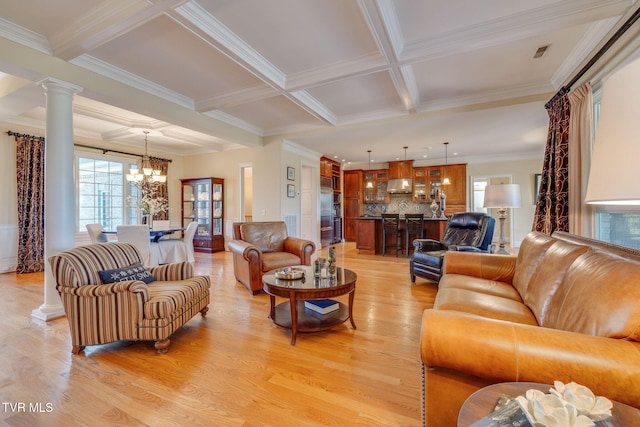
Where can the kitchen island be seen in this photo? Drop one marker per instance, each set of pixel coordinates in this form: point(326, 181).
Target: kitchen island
point(369, 233)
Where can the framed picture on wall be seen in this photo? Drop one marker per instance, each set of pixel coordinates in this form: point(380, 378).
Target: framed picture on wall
point(291, 190)
point(291, 173)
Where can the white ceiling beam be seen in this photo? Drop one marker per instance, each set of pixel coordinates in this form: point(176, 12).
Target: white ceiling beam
point(385, 29)
point(210, 29)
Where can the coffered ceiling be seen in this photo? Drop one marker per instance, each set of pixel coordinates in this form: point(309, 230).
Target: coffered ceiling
point(338, 77)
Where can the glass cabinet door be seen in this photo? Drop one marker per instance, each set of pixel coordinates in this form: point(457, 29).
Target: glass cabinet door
point(203, 208)
point(419, 185)
point(217, 209)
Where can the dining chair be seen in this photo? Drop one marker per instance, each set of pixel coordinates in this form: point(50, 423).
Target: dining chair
point(96, 233)
point(139, 236)
point(177, 250)
point(391, 227)
point(413, 226)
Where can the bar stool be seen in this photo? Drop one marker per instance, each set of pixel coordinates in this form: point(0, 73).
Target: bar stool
point(391, 227)
point(414, 226)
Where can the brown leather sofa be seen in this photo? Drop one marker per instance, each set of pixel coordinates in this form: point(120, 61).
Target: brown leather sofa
point(565, 308)
point(259, 247)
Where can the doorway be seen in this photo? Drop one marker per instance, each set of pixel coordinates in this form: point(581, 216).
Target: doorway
point(246, 192)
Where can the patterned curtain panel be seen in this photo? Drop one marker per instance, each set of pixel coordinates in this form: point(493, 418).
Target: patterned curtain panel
point(552, 207)
point(30, 177)
point(161, 189)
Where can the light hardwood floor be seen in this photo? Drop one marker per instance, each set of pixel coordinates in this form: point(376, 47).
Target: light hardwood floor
point(234, 368)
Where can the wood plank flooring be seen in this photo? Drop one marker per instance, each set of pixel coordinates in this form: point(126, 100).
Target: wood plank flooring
point(233, 368)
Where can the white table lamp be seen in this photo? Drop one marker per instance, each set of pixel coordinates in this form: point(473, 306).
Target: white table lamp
point(503, 197)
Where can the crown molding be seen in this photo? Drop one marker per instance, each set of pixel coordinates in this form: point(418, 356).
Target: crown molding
point(25, 37)
point(105, 69)
point(596, 33)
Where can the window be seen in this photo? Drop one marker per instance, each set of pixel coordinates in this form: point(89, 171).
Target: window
point(102, 193)
point(619, 225)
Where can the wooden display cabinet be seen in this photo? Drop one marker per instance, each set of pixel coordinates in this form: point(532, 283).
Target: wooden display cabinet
point(377, 192)
point(203, 202)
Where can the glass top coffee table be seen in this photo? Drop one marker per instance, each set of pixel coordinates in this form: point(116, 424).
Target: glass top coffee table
point(293, 315)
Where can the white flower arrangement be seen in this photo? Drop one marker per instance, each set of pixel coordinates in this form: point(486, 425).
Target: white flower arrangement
point(152, 205)
point(148, 204)
point(567, 405)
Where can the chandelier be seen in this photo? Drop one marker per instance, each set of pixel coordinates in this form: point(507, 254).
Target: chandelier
point(148, 173)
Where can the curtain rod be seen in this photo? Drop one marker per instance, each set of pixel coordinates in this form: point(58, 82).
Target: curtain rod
point(599, 54)
point(108, 150)
point(20, 135)
point(104, 150)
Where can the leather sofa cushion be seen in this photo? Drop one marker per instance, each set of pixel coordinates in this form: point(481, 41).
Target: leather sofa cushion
point(548, 276)
point(273, 260)
point(268, 237)
point(530, 255)
point(600, 296)
point(484, 286)
point(484, 305)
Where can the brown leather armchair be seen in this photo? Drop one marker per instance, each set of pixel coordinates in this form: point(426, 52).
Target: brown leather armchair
point(259, 247)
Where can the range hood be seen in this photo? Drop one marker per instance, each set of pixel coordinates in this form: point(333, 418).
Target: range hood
point(399, 186)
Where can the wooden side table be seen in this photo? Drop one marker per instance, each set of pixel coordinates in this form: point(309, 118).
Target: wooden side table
point(482, 402)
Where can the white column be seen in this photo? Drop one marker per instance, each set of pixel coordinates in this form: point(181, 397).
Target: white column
point(59, 188)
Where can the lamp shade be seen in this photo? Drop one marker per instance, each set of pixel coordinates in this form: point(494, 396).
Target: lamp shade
point(502, 196)
point(615, 172)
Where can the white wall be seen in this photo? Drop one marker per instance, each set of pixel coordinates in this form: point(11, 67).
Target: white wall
point(523, 172)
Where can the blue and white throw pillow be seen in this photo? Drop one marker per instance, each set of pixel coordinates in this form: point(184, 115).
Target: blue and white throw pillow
point(132, 272)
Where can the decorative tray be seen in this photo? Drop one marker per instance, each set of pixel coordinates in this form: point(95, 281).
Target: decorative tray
point(290, 273)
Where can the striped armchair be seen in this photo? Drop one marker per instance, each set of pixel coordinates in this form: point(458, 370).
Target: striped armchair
point(129, 310)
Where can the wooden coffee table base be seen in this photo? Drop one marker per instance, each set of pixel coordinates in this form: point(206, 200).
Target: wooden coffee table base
point(292, 314)
point(308, 320)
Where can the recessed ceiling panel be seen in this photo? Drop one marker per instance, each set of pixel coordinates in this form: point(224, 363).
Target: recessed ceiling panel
point(360, 95)
point(297, 35)
point(45, 17)
point(424, 19)
point(274, 115)
point(507, 70)
point(164, 52)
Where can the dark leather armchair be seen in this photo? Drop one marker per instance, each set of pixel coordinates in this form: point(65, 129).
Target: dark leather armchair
point(467, 231)
point(259, 247)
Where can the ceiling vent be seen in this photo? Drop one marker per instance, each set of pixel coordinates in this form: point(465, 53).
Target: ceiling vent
point(540, 52)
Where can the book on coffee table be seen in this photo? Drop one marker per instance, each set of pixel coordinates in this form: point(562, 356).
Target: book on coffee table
point(322, 306)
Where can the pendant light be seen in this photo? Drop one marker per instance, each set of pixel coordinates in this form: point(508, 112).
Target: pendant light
point(446, 181)
point(405, 181)
point(370, 183)
point(148, 173)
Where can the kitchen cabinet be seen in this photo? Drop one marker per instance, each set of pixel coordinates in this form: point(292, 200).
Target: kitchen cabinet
point(352, 201)
point(203, 202)
point(427, 183)
point(375, 186)
point(400, 169)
